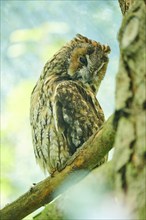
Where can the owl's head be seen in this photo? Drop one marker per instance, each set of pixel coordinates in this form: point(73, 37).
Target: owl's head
point(88, 61)
point(81, 60)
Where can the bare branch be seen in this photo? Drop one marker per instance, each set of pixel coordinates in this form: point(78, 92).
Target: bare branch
point(87, 157)
point(101, 176)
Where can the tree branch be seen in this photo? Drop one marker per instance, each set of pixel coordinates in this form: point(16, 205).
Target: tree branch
point(87, 157)
point(101, 177)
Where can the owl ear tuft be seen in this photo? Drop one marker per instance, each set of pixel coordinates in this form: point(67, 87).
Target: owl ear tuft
point(79, 36)
point(82, 38)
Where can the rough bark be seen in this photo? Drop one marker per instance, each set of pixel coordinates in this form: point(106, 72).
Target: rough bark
point(125, 5)
point(130, 148)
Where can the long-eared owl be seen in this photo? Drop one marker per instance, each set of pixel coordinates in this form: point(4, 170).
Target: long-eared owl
point(64, 109)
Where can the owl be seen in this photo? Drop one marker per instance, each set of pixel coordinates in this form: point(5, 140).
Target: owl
point(64, 110)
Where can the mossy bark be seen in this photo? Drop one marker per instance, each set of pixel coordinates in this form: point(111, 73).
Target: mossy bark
point(130, 116)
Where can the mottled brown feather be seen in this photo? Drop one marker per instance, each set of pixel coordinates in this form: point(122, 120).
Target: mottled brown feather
point(64, 111)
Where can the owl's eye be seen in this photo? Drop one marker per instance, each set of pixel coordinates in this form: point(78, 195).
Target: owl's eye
point(83, 60)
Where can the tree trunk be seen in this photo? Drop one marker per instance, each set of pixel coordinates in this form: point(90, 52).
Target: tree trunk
point(130, 115)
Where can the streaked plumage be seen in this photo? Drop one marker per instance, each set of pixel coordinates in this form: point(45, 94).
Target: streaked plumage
point(64, 110)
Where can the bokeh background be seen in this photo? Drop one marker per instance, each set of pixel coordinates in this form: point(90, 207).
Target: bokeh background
point(31, 32)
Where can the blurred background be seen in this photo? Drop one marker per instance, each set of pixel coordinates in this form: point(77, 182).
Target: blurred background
point(31, 32)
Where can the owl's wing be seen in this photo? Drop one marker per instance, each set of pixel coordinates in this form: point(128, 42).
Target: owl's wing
point(76, 112)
